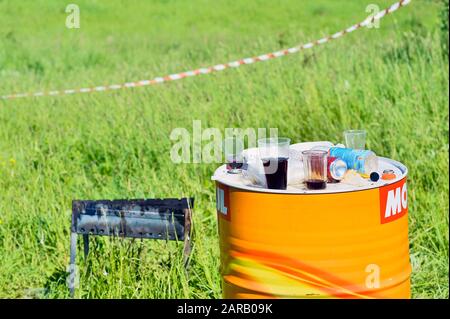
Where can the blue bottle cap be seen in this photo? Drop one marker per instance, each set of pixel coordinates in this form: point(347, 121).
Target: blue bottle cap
point(374, 176)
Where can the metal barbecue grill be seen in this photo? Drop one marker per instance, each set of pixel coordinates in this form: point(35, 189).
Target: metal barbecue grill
point(167, 219)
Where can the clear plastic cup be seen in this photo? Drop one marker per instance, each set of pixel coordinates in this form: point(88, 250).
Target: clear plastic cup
point(274, 154)
point(355, 139)
point(232, 149)
point(315, 166)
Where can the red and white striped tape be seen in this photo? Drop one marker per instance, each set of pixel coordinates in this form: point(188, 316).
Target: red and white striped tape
point(218, 67)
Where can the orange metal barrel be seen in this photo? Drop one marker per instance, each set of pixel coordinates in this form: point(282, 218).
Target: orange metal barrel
point(316, 245)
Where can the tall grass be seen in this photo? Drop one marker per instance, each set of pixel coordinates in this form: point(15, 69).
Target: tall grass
point(393, 81)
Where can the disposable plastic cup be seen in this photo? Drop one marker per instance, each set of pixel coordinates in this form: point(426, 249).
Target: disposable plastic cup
point(315, 166)
point(274, 154)
point(232, 149)
point(355, 139)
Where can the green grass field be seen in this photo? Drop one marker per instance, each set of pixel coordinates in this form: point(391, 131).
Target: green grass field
point(393, 81)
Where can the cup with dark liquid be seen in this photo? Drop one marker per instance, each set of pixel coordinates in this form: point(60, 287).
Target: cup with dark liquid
point(232, 148)
point(315, 165)
point(274, 154)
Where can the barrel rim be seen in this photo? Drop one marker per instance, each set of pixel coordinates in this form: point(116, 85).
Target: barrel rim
point(395, 163)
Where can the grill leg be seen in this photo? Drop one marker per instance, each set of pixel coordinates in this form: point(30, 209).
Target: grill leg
point(72, 264)
point(86, 245)
point(187, 237)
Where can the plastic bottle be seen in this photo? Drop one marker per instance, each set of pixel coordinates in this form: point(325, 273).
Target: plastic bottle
point(363, 161)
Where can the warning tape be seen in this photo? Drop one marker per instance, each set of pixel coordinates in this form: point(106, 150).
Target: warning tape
point(218, 67)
